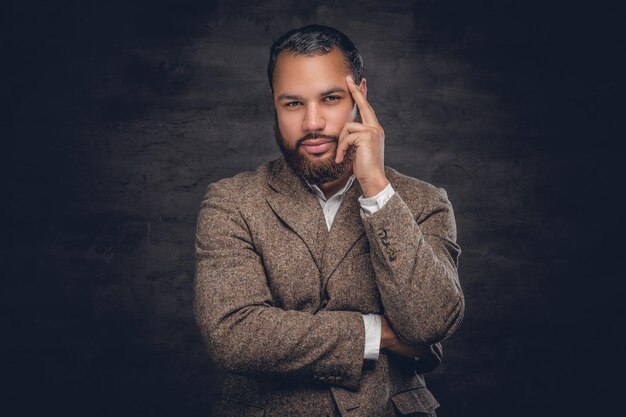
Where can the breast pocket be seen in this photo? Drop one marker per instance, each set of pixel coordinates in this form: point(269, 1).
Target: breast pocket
point(415, 402)
point(292, 276)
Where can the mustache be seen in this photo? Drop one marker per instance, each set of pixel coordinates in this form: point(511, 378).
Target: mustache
point(310, 136)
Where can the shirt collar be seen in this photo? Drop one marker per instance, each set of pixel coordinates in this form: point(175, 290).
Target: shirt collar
point(320, 194)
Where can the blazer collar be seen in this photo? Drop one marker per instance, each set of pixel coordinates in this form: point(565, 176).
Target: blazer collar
point(297, 205)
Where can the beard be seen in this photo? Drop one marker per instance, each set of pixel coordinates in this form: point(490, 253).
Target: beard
point(316, 170)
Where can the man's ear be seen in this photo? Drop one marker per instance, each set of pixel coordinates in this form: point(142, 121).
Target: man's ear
point(363, 87)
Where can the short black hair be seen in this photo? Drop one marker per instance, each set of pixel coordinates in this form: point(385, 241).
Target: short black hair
point(316, 40)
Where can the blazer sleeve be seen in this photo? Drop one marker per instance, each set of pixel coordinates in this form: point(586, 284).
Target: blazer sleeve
point(415, 258)
point(242, 329)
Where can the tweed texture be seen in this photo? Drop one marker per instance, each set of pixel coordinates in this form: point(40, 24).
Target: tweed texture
point(279, 298)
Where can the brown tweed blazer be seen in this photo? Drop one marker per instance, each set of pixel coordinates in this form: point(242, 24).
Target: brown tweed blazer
point(279, 298)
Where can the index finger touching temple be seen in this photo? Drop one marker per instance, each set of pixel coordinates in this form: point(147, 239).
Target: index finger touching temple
point(367, 112)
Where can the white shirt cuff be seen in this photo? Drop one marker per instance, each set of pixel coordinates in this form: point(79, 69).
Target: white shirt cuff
point(373, 329)
point(371, 205)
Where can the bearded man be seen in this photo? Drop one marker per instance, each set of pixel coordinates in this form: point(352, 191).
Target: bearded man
point(325, 280)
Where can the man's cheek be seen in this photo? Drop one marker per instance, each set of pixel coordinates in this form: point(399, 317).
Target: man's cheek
point(288, 126)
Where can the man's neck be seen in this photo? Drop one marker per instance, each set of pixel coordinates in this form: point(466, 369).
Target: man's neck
point(330, 188)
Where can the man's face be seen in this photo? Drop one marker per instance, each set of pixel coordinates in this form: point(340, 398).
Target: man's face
point(313, 104)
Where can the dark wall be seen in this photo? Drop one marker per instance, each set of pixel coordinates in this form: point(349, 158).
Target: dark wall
point(116, 115)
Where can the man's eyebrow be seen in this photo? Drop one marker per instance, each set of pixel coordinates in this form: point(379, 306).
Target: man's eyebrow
point(333, 90)
point(287, 96)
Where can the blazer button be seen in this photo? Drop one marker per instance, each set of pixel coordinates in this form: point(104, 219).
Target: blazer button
point(382, 233)
point(385, 241)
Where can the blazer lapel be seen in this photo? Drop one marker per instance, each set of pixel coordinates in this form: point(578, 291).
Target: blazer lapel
point(296, 205)
point(346, 230)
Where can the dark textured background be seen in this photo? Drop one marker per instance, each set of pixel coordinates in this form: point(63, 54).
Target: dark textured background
point(116, 115)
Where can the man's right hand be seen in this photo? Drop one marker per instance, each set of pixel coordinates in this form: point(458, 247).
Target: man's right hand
point(428, 356)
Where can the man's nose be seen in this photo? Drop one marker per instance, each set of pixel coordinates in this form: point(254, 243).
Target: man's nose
point(313, 119)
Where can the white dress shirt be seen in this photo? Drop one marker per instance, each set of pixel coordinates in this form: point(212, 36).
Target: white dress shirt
point(369, 206)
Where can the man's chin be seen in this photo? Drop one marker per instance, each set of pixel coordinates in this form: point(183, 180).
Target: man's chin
point(319, 169)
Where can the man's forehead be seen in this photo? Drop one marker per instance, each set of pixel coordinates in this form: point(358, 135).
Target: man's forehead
point(319, 73)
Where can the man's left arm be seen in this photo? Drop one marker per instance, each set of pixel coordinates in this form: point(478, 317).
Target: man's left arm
point(414, 255)
point(415, 261)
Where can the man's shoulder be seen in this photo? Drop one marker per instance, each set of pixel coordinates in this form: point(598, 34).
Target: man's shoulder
point(247, 185)
point(414, 190)
point(246, 179)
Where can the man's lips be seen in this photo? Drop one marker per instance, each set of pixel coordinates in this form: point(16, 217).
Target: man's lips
point(317, 146)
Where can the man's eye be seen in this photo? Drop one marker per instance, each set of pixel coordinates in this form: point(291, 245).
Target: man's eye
point(331, 99)
point(293, 104)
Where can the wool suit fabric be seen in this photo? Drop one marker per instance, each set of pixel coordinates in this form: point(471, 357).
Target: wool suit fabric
point(279, 298)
